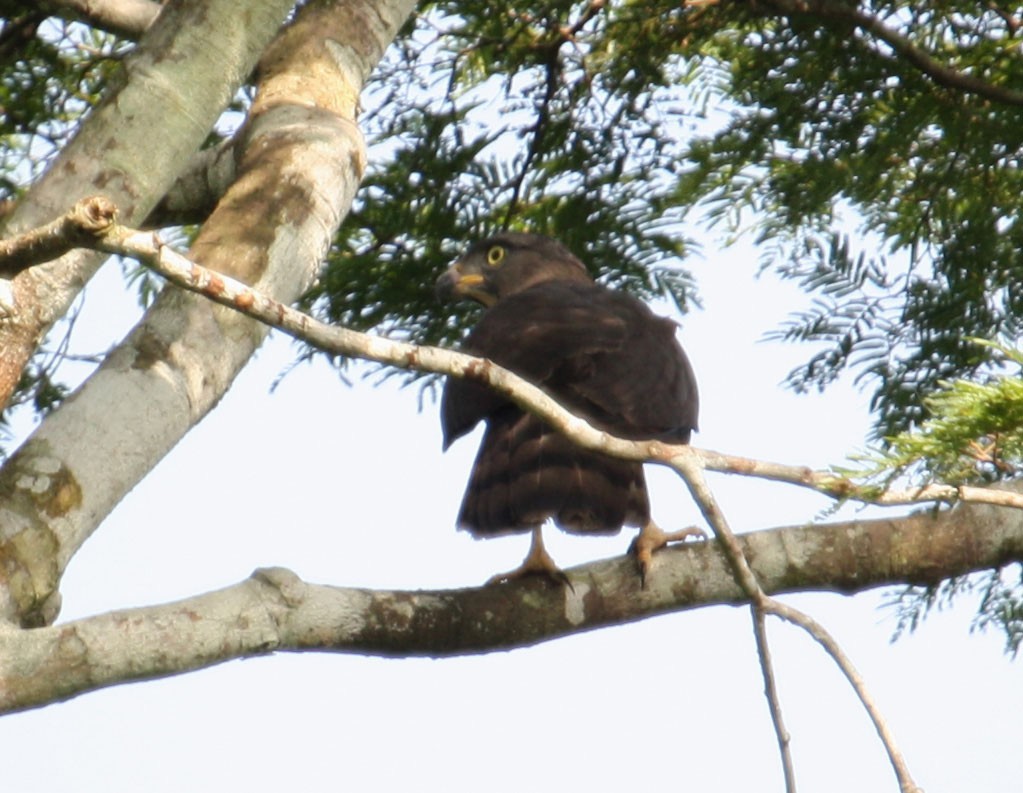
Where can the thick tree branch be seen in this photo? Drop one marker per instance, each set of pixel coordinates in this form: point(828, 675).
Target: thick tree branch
point(275, 611)
point(199, 186)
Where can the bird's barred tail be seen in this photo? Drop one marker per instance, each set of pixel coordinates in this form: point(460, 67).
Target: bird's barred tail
point(525, 473)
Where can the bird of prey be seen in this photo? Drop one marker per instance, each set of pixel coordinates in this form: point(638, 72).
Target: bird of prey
point(602, 354)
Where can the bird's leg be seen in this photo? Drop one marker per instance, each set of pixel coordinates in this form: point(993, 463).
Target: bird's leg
point(537, 562)
point(652, 538)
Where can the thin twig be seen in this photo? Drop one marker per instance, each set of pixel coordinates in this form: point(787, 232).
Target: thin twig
point(773, 701)
point(841, 487)
point(692, 475)
point(827, 641)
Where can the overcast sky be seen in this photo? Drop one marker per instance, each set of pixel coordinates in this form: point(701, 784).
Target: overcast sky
point(348, 486)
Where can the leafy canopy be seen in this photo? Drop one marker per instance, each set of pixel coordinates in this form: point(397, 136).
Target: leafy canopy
point(873, 150)
point(561, 119)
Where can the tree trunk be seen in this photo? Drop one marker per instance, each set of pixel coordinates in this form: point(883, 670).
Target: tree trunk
point(302, 161)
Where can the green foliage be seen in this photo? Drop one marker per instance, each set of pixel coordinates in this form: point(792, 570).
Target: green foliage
point(830, 116)
point(973, 433)
point(890, 192)
point(51, 73)
point(1000, 603)
point(513, 119)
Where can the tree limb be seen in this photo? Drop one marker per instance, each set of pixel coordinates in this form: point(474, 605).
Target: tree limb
point(276, 612)
point(692, 472)
point(147, 248)
point(901, 45)
point(774, 702)
point(77, 228)
point(838, 655)
point(199, 186)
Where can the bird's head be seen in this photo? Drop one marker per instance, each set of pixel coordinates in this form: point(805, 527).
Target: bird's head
point(507, 263)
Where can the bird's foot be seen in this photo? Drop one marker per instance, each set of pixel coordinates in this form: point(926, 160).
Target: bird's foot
point(652, 538)
point(537, 563)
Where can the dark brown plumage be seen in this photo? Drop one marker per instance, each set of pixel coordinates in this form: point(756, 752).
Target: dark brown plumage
point(603, 354)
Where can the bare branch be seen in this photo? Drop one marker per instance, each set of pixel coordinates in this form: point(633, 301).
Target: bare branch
point(761, 604)
point(841, 487)
point(774, 703)
point(77, 228)
point(691, 471)
point(147, 248)
point(832, 647)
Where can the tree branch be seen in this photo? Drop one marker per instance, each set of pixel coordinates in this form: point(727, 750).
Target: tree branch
point(296, 177)
point(131, 153)
point(692, 471)
point(902, 46)
point(276, 612)
point(773, 701)
point(93, 224)
point(77, 228)
point(199, 186)
point(834, 649)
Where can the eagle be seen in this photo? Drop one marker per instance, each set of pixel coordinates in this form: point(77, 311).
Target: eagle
point(602, 354)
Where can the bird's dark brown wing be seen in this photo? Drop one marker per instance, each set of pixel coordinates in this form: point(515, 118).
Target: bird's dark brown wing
point(644, 388)
point(602, 354)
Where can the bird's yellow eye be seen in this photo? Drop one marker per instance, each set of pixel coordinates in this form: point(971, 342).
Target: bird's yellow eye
point(495, 256)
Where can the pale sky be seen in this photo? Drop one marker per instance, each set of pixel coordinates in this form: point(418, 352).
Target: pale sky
point(348, 486)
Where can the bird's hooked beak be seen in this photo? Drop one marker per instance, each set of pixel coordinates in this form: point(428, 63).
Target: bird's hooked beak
point(455, 284)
